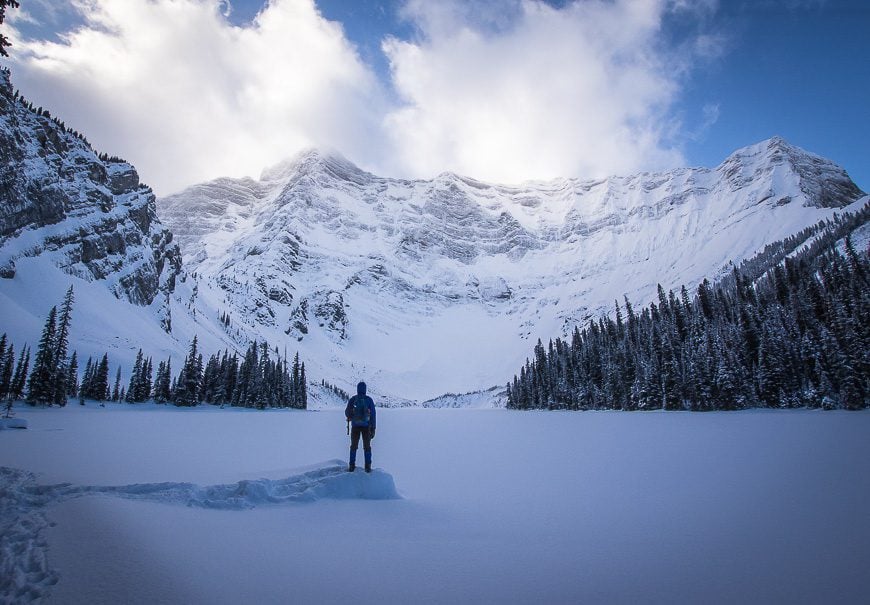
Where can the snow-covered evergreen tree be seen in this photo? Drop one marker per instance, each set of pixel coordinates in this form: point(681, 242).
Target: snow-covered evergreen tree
point(40, 386)
point(72, 381)
point(60, 369)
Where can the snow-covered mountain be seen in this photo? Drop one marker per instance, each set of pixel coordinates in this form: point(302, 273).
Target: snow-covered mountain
point(432, 286)
point(71, 216)
point(424, 288)
point(89, 214)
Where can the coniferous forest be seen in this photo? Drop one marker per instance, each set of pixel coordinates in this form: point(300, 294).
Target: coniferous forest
point(788, 328)
point(261, 379)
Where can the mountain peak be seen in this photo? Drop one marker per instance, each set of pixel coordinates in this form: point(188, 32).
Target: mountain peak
point(823, 183)
point(769, 149)
point(309, 161)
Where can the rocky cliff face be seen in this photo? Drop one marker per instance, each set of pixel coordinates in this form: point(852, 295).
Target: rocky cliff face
point(90, 214)
point(435, 285)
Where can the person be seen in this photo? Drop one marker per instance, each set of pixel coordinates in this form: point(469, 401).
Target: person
point(360, 412)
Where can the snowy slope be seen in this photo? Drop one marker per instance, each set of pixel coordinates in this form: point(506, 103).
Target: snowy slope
point(434, 286)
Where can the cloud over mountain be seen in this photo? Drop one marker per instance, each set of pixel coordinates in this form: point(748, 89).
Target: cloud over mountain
point(511, 90)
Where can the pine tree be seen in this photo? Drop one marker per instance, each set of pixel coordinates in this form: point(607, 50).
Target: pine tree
point(3, 347)
point(87, 381)
point(60, 369)
point(72, 381)
point(7, 363)
point(189, 380)
point(101, 380)
point(40, 387)
point(134, 389)
point(116, 390)
point(20, 375)
point(303, 395)
point(147, 373)
point(162, 382)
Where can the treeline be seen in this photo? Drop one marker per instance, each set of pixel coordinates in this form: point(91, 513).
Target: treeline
point(260, 379)
point(797, 336)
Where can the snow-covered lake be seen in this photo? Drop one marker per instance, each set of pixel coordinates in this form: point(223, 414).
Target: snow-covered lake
point(495, 507)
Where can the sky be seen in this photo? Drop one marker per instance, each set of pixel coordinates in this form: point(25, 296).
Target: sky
point(500, 90)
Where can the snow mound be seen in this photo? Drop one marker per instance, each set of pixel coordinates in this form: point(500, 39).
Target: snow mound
point(327, 481)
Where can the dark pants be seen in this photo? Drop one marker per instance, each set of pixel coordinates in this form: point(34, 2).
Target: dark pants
point(355, 433)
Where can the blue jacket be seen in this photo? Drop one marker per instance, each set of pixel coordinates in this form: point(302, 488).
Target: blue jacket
point(348, 411)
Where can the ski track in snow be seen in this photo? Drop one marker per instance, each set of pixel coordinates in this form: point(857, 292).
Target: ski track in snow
point(25, 573)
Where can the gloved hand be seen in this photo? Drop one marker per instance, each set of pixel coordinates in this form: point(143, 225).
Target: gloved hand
point(371, 433)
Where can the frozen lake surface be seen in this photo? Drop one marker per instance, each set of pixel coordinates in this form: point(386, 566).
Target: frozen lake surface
point(150, 504)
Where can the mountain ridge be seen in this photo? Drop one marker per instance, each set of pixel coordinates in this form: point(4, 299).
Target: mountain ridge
point(422, 287)
point(306, 250)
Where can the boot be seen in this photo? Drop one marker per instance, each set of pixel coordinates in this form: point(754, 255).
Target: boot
point(352, 466)
point(368, 454)
point(368, 468)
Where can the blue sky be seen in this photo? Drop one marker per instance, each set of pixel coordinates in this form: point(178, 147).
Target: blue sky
point(503, 90)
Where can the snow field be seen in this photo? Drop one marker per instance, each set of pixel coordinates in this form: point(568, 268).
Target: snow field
point(496, 506)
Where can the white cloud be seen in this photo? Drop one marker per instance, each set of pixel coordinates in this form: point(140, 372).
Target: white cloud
point(504, 90)
point(582, 90)
point(172, 86)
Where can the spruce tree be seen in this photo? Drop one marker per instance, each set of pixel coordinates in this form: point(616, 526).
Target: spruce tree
point(60, 369)
point(116, 390)
point(189, 379)
point(162, 381)
point(72, 381)
point(146, 379)
point(303, 396)
point(7, 364)
point(20, 375)
point(87, 380)
point(101, 380)
point(134, 389)
point(40, 387)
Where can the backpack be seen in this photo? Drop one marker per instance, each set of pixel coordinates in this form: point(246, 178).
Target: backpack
point(361, 411)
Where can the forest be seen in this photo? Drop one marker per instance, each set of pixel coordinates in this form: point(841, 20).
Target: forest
point(261, 379)
point(788, 328)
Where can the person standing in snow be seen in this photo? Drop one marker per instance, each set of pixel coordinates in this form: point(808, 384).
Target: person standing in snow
point(360, 412)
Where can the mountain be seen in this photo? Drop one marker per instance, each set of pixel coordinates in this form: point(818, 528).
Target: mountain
point(89, 214)
point(425, 287)
point(69, 215)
